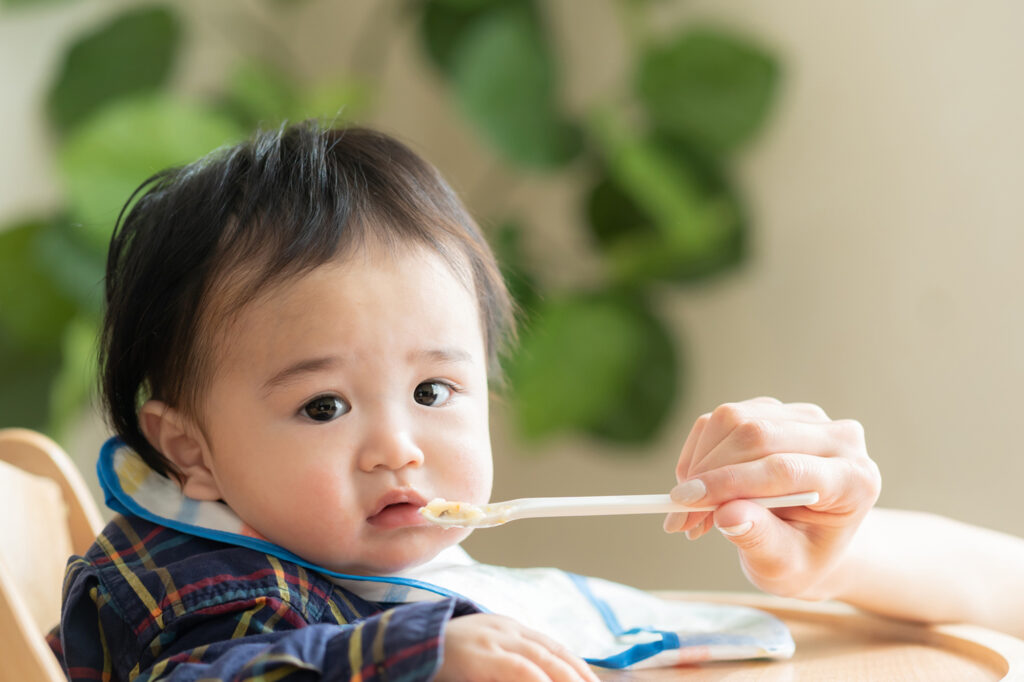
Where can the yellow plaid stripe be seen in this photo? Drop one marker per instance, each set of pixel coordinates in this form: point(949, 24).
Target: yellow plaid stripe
point(303, 582)
point(282, 580)
point(147, 560)
point(133, 580)
point(282, 609)
point(378, 638)
point(107, 673)
point(283, 664)
point(355, 654)
point(246, 618)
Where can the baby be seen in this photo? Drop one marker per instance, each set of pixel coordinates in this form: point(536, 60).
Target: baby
point(301, 329)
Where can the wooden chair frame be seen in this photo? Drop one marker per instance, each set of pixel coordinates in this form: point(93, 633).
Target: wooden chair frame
point(36, 454)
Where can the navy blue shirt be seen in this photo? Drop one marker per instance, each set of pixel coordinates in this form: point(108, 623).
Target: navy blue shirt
point(150, 603)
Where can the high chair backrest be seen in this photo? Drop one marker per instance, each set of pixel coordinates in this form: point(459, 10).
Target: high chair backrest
point(46, 514)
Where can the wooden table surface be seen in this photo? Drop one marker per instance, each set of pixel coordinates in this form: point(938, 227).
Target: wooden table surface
point(836, 642)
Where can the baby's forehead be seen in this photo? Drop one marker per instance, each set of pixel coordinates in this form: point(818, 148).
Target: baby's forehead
point(248, 297)
point(351, 315)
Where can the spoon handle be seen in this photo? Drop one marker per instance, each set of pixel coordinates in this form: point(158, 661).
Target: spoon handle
point(536, 507)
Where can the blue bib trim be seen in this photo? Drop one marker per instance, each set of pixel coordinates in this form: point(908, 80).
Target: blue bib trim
point(769, 639)
point(118, 500)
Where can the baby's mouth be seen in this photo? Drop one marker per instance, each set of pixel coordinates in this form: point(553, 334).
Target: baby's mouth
point(398, 509)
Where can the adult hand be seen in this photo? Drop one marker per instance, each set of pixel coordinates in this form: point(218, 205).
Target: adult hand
point(495, 648)
point(762, 448)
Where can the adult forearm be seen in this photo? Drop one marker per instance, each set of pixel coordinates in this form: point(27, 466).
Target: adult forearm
point(930, 568)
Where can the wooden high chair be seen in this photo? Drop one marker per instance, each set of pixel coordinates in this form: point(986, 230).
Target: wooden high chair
point(47, 514)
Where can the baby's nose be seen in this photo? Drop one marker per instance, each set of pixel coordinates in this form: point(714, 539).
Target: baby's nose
point(391, 450)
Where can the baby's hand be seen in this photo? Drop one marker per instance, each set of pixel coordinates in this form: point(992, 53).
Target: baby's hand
point(489, 647)
point(762, 448)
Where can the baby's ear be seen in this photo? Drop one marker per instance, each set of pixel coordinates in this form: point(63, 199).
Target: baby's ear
point(177, 439)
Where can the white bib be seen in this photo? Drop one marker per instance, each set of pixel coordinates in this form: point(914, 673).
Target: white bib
point(608, 624)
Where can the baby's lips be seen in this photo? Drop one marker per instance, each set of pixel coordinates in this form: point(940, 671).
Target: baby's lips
point(401, 515)
point(395, 496)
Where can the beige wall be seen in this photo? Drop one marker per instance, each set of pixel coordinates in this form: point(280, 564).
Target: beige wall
point(883, 284)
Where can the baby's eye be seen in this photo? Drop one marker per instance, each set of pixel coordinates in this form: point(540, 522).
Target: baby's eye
point(432, 393)
point(324, 408)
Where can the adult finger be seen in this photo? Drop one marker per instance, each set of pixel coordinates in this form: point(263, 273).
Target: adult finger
point(677, 521)
point(716, 427)
point(745, 421)
point(690, 445)
point(755, 438)
point(768, 545)
point(807, 411)
point(842, 483)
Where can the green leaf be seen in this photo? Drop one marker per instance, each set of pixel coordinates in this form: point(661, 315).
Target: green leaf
point(612, 215)
point(74, 265)
point(691, 224)
point(468, 4)
point(108, 157)
point(25, 378)
point(33, 310)
point(504, 79)
point(573, 364)
point(23, 4)
point(74, 384)
point(628, 236)
point(708, 87)
point(334, 101)
point(508, 249)
point(259, 94)
point(131, 54)
point(649, 392)
point(445, 23)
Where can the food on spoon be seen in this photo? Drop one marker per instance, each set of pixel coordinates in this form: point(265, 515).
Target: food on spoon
point(465, 514)
point(452, 513)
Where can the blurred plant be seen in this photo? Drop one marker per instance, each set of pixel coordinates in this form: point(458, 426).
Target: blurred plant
point(660, 207)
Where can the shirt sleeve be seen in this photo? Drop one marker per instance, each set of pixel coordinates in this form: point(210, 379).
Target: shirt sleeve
point(400, 644)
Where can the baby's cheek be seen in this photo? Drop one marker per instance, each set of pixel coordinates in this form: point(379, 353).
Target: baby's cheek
point(472, 476)
point(303, 500)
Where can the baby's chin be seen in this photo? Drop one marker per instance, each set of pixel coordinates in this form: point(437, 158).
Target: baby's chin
point(396, 560)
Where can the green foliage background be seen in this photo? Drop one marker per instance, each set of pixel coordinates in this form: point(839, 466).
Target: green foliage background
point(661, 207)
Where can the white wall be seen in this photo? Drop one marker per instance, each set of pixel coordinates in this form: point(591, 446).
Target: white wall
point(884, 276)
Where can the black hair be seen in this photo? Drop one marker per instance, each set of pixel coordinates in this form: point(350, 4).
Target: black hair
point(217, 232)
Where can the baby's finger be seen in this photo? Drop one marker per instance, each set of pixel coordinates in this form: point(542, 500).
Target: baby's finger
point(555, 659)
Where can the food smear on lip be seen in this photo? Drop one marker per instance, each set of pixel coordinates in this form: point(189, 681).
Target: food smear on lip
point(464, 514)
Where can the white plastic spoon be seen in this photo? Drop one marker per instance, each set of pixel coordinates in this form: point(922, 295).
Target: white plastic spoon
point(465, 515)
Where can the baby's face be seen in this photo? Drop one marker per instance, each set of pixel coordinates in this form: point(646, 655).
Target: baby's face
point(346, 399)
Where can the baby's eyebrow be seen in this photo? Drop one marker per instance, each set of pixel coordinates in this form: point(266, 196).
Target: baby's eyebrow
point(448, 355)
point(299, 368)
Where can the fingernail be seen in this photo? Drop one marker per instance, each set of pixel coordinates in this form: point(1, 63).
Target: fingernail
point(674, 521)
point(692, 533)
point(689, 492)
point(739, 529)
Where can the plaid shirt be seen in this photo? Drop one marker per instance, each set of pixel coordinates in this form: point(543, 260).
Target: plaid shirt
point(149, 603)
